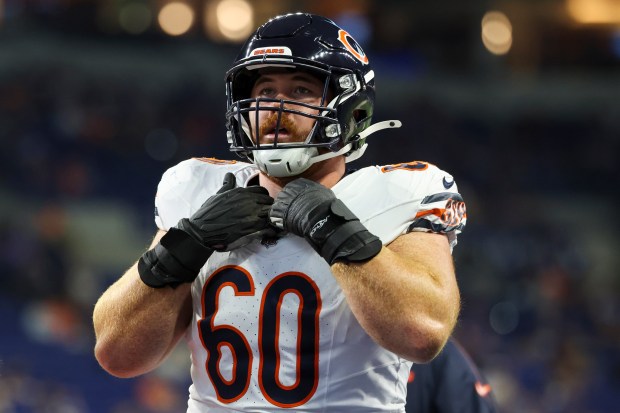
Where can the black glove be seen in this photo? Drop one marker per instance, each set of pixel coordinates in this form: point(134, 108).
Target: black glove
point(308, 209)
point(227, 220)
point(231, 217)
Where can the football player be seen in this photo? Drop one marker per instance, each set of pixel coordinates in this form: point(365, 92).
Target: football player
point(451, 383)
point(295, 284)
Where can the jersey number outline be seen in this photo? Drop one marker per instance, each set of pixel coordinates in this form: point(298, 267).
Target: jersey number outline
point(213, 337)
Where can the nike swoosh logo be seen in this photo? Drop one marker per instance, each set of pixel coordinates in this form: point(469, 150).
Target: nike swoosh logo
point(447, 184)
point(482, 389)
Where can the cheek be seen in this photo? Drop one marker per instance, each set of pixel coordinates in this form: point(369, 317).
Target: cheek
point(304, 123)
point(252, 117)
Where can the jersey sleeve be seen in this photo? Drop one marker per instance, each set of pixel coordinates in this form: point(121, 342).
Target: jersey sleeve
point(186, 186)
point(441, 207)
point(397, 199)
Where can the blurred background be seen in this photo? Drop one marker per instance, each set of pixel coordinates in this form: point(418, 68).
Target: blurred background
point(518, 99)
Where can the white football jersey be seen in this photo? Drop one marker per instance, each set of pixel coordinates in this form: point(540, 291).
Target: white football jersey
point(271, 329)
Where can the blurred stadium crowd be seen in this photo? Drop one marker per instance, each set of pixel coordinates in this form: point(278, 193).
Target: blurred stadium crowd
point(537, 264)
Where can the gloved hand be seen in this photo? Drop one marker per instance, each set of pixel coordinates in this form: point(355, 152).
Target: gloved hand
point(231, 217)
point(227, 220)
point(310, 210)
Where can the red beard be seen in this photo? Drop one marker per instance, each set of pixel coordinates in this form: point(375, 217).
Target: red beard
point(269, 124)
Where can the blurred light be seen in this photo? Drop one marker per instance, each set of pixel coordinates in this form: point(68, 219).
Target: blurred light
point(235, 19)
point(504, 317)
point(594, 11)
point(176, 18)
point(135, 18)
point(496, 32)
point(229, 20)
point(161, 144)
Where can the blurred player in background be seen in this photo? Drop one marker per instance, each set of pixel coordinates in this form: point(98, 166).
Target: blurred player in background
point(451, 383)
point(297, 284)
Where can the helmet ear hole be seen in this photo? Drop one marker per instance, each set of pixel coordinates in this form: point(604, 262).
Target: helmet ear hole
point(359, 114)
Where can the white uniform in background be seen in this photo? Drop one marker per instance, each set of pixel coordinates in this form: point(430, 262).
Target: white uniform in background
point(271, 328)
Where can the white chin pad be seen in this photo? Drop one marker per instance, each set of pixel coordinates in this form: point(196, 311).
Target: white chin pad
point(281, 163)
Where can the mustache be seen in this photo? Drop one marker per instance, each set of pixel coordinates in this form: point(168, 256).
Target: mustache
point(269, 124)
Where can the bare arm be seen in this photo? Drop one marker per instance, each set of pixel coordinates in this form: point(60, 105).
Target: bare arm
point(406, 297)
point(137, 326)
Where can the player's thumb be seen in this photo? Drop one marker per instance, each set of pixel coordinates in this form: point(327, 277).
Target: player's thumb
point(229, 183)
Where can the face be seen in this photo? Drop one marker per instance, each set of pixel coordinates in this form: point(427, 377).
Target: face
point(296, 86)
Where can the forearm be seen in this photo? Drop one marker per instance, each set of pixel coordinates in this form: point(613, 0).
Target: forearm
point(136, 326)
point(405, 295)
point(405, 305)
point(140, 318)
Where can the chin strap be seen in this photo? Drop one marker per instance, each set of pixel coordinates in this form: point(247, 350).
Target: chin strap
point(386, 124)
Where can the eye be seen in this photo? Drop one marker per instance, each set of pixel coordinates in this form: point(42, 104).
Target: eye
point(305, 91)
point(266, 91)
point(301, 90)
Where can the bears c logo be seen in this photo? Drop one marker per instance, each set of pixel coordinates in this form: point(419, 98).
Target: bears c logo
point(352, 46)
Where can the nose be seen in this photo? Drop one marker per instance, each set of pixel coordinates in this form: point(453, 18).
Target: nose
point(271, 101)
point(275, 104)
point(278, 98)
